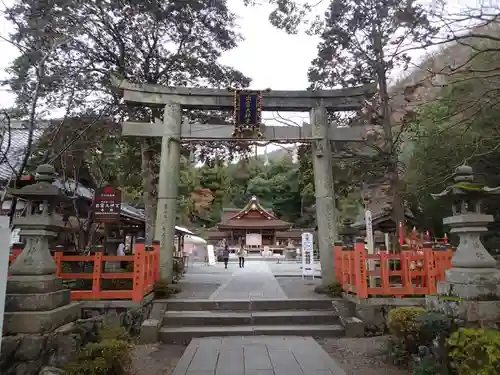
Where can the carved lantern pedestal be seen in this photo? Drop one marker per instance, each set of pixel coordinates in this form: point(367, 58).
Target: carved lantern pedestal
point(471, 289)
point(36, 301)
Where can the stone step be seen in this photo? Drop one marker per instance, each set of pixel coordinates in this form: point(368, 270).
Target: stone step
point(183, 335)
point(227, 318)
point(246, 305)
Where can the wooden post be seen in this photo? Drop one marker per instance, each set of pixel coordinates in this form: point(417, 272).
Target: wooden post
point(96, 275)
point(325, 204)
point(384, 272)
point(337, 250)
point(58, 259)
point(167, 188)
point(138, 281)
point(430, 271)
point(360, 268)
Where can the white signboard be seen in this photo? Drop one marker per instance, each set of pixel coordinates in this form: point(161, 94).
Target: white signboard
point(211, 255)
point(307, 255)
point(253, 239)
point(369, 232)
point(5, 237)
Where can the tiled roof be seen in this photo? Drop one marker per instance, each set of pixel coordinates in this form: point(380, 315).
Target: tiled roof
point(15, 145)
point(255, 223)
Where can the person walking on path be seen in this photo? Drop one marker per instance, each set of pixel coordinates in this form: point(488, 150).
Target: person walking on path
point(225, 254)
point(242, 253)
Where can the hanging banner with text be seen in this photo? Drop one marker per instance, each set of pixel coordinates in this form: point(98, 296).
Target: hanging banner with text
point(307, 255)
point(107, 205)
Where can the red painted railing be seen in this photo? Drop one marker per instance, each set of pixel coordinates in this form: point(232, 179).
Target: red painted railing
point(408, 273)
point(143, 274)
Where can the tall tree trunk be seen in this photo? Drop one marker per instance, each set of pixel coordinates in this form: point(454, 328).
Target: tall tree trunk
point(390, 148)
point(149, 198)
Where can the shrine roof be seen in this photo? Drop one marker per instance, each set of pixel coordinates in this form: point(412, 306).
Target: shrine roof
point(253, 215)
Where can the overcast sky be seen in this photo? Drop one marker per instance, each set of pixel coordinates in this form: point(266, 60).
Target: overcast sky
point(269, 56)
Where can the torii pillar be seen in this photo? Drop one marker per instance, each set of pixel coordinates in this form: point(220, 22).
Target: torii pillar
point(324, 192)
point(168, 187)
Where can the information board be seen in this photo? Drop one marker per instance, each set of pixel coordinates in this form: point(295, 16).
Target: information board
point(369, 232)
point(107, 205)
point(211, 255)
point(307, 255)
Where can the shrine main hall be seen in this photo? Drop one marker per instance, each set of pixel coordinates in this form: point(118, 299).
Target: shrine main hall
point(256, 228)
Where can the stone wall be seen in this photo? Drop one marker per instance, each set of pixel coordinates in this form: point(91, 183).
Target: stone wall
point(29, 354)
point(116, 314)
point(373, 312)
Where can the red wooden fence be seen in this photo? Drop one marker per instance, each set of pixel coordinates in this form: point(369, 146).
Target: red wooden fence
point(408, 273)
point(144, 273)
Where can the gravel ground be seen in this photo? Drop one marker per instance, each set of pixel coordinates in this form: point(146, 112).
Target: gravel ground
point(156, 359)
point(361, 356)
point(295, 287)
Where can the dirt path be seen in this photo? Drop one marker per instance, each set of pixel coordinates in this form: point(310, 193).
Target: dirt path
point(361, 356)
point(156, 359)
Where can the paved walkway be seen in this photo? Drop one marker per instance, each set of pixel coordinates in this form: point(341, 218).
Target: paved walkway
point(254, 355)
point(254, 281)
point(257, 355)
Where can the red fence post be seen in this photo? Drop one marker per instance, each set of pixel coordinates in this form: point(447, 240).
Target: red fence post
point(360, 268)
point(156, 260)
point(96, 275)
point(430, 269)
point(138, 281)
point(337, 255)
point(384, 272)
point(58, 259)
point(405, 263)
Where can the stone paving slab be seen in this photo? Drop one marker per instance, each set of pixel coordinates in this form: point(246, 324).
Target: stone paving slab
point(257, 355)
point(255, 281)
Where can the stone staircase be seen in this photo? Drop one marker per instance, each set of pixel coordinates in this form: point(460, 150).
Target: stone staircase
point(178, 321)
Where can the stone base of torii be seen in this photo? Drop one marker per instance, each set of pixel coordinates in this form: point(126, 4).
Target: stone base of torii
point(174, 130)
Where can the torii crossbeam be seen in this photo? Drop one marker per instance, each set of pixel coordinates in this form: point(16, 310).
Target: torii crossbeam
point(173, 130)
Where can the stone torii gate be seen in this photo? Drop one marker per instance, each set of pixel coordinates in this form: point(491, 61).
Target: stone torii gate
point(173, 129)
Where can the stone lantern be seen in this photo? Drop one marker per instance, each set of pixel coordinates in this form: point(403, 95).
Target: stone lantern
point(473, 276)
point(290, 250)
point(36, 301)
point(347, 232)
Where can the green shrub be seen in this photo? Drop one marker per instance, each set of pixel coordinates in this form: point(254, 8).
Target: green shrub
point(403, 321)
point(435, 325)
point(334, 289)
point(435, 328)
point(114, 333)
point(427, 366)
point(107, 357)
point(397, 352)
point(162, 289)
point(475, 351)
point(404, 327)
point(110, 356)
